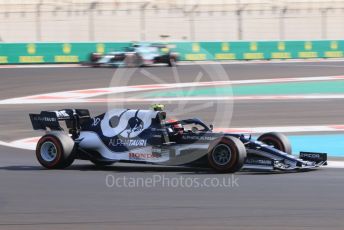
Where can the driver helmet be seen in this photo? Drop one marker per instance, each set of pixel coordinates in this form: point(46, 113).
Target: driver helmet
point(158, 107)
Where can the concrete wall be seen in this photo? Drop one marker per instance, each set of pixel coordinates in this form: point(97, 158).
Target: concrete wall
point(24, 21)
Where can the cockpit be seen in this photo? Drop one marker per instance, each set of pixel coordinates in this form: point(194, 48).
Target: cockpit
point(186, 126)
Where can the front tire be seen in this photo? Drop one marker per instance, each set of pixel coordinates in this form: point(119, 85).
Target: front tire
point(55, 151)
point(278, 140)
point(227, 155)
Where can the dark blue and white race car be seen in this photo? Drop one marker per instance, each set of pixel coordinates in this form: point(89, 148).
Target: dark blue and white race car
point(145, 136)
point(137, 55)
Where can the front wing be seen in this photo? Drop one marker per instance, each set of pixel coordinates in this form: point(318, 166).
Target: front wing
point(309, 160)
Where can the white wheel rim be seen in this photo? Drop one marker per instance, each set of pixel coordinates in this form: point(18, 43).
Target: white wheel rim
point(48, 151)
point(222, 154)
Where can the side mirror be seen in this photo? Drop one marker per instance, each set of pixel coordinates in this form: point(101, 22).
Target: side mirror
point(211, 127)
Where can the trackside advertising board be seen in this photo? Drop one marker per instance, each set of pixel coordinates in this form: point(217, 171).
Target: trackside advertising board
point(75, 52)
point(26, 53)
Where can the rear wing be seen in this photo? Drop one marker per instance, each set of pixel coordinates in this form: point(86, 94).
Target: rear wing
point(50, 119)
point(45, 120)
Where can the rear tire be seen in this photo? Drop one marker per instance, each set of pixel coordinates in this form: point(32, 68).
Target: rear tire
point(227, 155)
point(55, 150)
point(131, 61)
point(172, 62)
point(94, 57)
point(278, 140)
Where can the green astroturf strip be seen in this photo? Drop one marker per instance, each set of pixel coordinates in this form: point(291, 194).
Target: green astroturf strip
point(320, 87)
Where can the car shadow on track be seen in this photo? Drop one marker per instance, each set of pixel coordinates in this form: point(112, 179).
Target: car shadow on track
point(112, 168)
point(142, 169)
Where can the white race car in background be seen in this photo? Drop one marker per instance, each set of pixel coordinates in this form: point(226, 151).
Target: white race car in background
point(137, 55)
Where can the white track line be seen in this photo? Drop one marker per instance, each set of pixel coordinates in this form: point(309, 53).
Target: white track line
point(76, 95)
point(335, 164)
point(323, 66)
point(284, 129)
point(170, 99)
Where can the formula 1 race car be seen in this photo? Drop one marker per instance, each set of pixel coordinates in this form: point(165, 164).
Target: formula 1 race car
point(145, 136)
point(136, 56)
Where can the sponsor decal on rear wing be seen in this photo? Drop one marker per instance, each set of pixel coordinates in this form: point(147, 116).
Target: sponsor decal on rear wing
point(45, 120)
point(50, 119)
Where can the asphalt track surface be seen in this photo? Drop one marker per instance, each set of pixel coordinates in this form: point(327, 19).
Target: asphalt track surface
point(34, 198)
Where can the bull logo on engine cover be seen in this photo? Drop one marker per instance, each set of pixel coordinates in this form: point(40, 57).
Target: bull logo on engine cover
point(126, 123)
